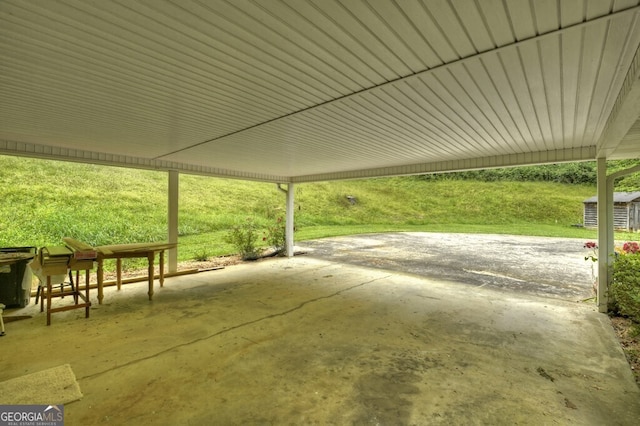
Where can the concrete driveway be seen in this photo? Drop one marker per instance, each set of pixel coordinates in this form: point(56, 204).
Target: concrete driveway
point(318, 341)
point(542, 266)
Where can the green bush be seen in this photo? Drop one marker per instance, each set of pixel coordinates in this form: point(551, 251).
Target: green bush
point(243, 237)
point(201, 256)
point(625, 287)
point(275, 236)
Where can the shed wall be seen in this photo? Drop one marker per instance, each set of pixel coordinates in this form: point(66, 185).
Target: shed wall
point(626, 216)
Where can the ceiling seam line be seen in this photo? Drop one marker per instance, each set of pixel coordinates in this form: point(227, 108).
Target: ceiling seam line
point(480, 55)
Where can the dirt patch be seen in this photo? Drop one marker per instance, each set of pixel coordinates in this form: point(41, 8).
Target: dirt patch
point(200, 265)
point(210, 263)
point(628, 334)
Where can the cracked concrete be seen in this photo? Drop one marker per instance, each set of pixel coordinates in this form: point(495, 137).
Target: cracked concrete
point(310, 341)
point(542, 266)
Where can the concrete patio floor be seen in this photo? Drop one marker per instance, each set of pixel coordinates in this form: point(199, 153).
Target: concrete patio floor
point(310, 341)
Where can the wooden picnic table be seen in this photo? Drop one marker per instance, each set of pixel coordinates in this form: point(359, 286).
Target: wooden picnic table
point(134, 250)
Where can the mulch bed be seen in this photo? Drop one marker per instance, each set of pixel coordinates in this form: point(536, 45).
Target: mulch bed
point(629, 336)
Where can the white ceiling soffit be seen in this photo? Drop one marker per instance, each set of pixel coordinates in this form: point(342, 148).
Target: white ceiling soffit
point(296, 91)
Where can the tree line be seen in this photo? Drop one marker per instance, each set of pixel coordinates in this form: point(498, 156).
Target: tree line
point(577, 173)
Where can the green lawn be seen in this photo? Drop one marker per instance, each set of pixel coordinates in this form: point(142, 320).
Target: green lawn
point(43, 201)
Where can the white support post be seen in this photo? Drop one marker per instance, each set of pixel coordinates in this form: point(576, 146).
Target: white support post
point(605, 234)
point(289, 225)
point(173, 219)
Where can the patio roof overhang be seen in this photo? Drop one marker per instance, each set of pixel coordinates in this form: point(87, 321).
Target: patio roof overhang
point(309, 90)
point(300, 91)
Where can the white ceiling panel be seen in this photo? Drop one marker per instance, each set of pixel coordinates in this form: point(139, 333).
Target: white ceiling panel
point(303, 90)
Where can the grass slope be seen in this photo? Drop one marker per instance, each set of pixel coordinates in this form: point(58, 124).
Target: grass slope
point(43, 201)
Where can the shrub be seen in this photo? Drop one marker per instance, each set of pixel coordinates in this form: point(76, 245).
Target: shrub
point(201, 256)
point(625, 287)
point(243, 237)
point(275, 236)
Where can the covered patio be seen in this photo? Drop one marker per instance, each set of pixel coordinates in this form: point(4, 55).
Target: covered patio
point(291, 92)
point(295, 92)
point(309, 341)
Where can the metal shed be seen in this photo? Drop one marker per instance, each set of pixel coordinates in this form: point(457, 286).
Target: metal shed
point(626, 211)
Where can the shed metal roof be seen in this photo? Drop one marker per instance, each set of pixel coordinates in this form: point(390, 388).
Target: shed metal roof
point(306, 90)
point(618, 197)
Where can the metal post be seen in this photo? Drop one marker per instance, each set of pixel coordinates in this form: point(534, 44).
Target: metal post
point(605, 234)
point(289, 226)
point(173, 219)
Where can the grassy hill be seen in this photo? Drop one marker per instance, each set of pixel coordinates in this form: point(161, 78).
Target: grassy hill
point(43, 201)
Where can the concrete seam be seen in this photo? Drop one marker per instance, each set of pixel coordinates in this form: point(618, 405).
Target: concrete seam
point(235, 327)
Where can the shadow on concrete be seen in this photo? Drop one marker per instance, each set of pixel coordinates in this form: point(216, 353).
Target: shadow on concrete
point(316, 341)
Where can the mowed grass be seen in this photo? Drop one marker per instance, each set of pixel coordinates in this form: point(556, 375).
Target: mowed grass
point(44, 201)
